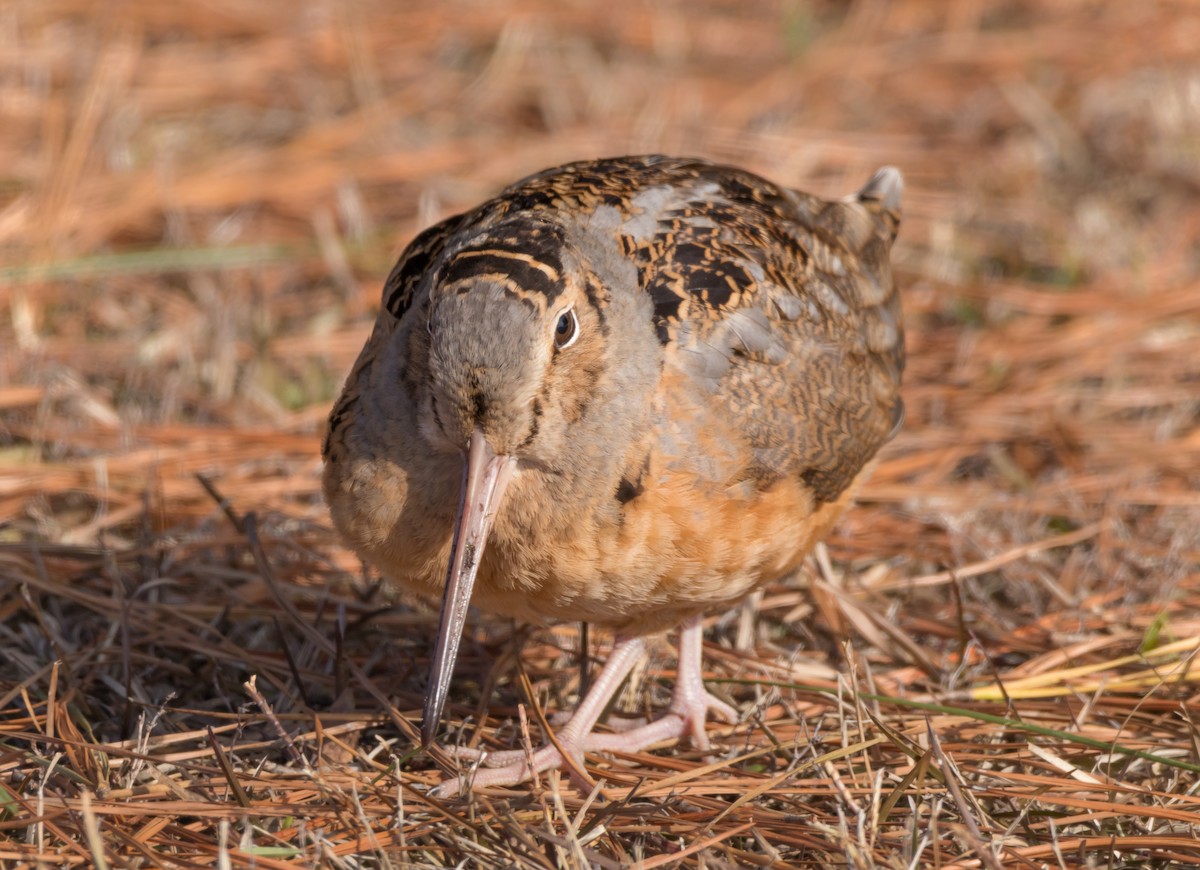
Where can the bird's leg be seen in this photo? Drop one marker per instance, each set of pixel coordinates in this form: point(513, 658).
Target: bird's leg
point(513, 766)
point(689, 707)
point(690, 703)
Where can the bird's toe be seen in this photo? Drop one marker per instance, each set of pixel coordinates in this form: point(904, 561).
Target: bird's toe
point(514, 766)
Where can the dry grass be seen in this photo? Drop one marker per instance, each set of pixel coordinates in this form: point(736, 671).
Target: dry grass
point(994, 666)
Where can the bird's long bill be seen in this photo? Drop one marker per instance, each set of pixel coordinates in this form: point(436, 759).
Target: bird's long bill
point(485, 479)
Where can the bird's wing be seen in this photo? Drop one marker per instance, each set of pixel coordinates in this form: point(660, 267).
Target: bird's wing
point(796, 324)
point(779, 307)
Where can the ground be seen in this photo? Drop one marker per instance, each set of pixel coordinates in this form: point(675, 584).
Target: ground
point(991, 664)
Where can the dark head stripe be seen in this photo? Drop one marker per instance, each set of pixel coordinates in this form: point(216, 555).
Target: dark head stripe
point(410, 268)
point(530, 275)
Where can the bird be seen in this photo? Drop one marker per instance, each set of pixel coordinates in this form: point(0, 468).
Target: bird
point(626, 391)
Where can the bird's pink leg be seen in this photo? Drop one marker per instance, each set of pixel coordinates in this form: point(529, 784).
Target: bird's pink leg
point(689, 707)
point(514, 766)
point(690, 703)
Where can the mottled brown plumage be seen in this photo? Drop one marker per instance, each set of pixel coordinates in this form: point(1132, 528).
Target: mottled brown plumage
point(667, 377)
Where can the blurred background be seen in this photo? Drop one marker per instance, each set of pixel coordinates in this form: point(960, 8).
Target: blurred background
point(198, 203)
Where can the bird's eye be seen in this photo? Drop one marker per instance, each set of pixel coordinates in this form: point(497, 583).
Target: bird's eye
point(566, 330)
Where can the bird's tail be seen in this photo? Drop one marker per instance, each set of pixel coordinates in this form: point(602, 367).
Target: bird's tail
point(882, 195)
point(886, 187)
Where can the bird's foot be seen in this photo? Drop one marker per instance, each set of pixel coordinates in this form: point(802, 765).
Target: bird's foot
point(506, 757)
point(690, 705)
point(513, 766)
point(686, 717)
point(619, 724)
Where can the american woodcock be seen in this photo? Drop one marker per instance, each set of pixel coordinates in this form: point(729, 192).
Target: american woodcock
point(626, 392)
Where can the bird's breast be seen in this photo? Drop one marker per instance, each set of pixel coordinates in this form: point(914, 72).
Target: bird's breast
point(643, 564)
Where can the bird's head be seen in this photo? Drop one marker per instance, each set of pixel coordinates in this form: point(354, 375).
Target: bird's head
point(512, 348)
point(508, 364)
